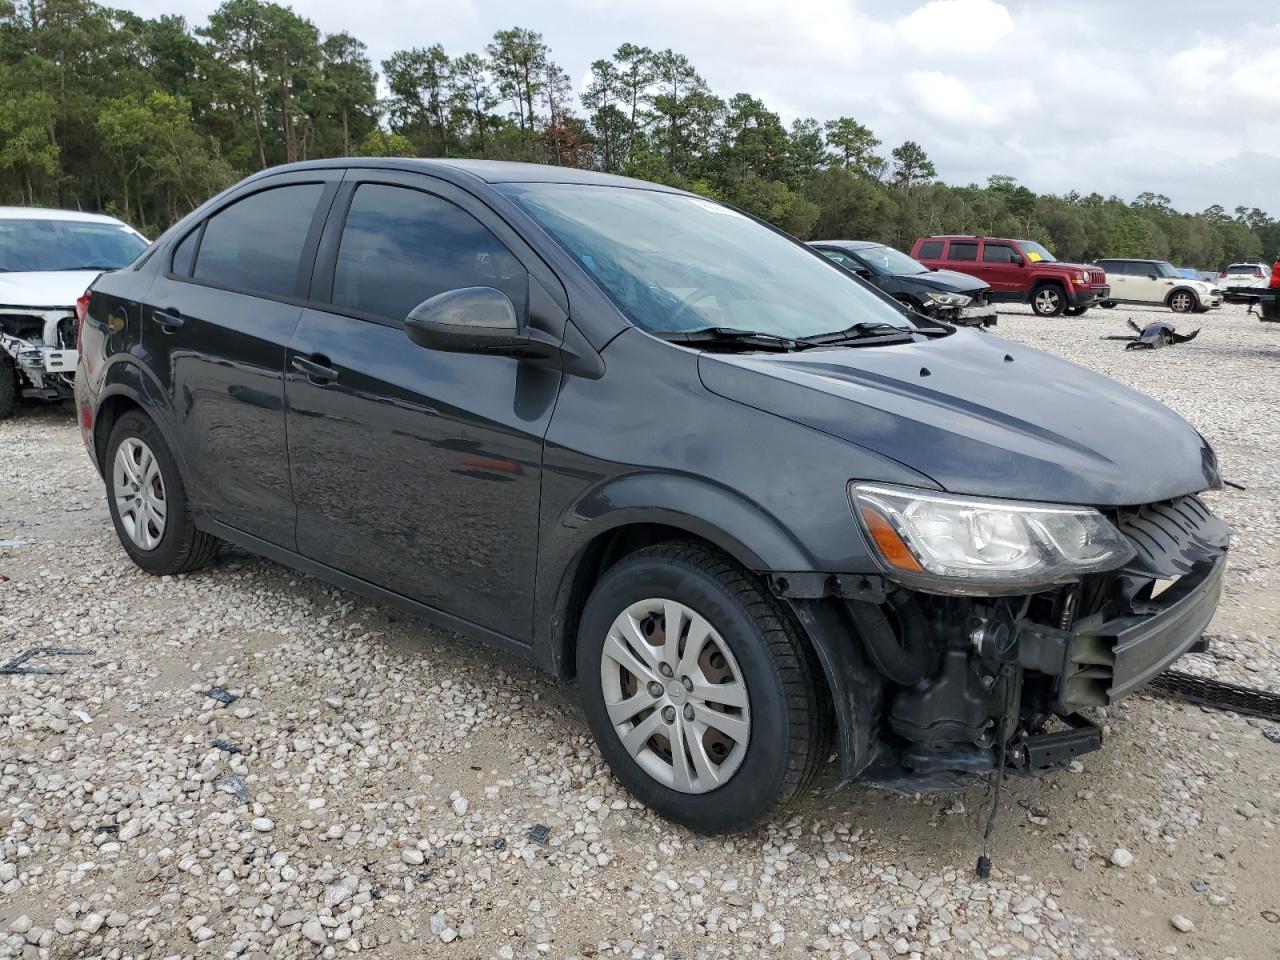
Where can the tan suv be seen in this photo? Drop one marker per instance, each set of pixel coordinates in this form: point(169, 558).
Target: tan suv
point(1158, 282)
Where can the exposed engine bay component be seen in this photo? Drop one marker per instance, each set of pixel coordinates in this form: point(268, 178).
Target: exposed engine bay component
point(41, 346)
point(1153, 336)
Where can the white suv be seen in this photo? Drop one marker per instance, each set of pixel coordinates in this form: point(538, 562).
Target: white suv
point(1157, 282)
point(1243, 276)
point(47, 259)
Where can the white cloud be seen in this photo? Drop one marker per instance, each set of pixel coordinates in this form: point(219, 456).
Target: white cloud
point(956, 26)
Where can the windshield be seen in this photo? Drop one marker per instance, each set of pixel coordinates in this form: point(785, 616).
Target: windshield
point(1244, 268)
point(1164, 268)
point(43, 245)
point(676, 263)
point(1034, 251)
point(892, 262)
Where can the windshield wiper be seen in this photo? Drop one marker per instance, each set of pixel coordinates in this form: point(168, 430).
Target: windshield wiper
point(864, 331)
point(87, 266)
point(732, 336)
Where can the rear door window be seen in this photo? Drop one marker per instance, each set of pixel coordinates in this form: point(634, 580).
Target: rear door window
point(962, 251)
point(255, 245)
point(930, 250)
point(401, 246)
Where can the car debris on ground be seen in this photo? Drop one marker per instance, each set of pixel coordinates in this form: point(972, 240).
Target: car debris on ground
point(1153, 336)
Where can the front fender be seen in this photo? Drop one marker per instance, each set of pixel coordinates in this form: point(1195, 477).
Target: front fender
point(702, 509)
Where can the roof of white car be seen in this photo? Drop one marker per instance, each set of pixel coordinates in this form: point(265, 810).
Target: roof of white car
point(50, 213)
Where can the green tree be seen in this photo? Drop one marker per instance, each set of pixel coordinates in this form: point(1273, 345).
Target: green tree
point(854, 145)
point(911, 166)
point(518, 58)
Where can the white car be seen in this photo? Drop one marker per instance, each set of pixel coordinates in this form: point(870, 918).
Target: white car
point(1157, 282)
point(47, 259)
point(1239, 277)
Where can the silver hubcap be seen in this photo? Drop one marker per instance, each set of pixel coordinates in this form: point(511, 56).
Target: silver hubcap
point(139, 493)
point(675, 695)
point(1181, 302)
point(1046, 301)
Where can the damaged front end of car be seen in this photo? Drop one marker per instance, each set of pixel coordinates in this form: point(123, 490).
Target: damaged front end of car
point(41, 345)
point(997, 622)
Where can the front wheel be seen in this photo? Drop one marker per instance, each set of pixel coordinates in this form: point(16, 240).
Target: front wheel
point(702, 694)
point(1182, 302)
point(148, 501)
point(1075, 311)
point(1048, 301)
point(1107, 304)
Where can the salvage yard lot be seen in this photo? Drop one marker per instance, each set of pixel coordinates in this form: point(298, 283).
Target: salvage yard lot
point(399, 775)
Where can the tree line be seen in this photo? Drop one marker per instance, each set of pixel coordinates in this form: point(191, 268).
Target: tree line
point(101, 109)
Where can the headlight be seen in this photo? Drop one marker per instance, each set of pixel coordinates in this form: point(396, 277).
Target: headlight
point(972, 545)
point(950, 299)
point(1082, 276)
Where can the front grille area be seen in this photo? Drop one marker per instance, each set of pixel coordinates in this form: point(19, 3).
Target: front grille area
point(1171, 537)
point(1097, 277)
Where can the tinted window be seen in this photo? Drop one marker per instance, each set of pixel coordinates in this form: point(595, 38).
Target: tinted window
point(843, 259)
point(963, 251)
point(1111, 266)
point(184, 252)
point(999, 253)
point(50, 245)
point(255, 244)
point(931, 250)
point(401, 246)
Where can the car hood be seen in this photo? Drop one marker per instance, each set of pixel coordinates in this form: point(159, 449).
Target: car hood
point(948, 280)
point(981, 415)
point(54, 289)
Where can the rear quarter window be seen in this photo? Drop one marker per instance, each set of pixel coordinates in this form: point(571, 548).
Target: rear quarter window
point(930, 250)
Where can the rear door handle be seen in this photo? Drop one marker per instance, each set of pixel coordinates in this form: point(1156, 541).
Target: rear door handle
point(316, 367)
point(168, 320)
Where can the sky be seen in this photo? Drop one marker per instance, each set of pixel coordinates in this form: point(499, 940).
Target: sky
point(1119, 97)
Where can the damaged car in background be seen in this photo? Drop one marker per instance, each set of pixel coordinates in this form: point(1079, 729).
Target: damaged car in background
point(47, 260)
point(643, 440)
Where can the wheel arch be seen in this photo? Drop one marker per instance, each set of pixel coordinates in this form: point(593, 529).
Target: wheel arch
point(127, 387)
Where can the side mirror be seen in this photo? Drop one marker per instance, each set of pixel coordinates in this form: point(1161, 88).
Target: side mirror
point(474, 320)
point(1152, 276)
point(1017, 263)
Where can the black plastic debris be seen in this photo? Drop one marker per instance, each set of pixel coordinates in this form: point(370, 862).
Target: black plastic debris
point(107, 828)
point(1153, 336)
point(540, 833)
point(226, 746)
point(16, 665)
point(500, 844)
point(222, 696)
point(233, 784)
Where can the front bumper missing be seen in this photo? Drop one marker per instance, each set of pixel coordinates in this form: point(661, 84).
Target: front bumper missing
point(1100, 661)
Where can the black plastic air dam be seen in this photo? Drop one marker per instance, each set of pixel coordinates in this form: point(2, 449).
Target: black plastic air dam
point(904, 660)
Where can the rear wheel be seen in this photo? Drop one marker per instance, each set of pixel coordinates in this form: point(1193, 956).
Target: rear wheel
point(1108, 304)
point(148, 501)
point(1048, 300)
point(700, 691)
point(1075, 311)
point(1182, 301)
point(8, 387)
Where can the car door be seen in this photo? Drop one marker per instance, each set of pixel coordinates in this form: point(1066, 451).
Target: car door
point(416, 470)
point(1145, 283)
point(1002, 267)
point(1118, 278)
point(214, 335)
point(962, 255)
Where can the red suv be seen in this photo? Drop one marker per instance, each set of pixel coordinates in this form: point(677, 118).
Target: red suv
point(1018, 271)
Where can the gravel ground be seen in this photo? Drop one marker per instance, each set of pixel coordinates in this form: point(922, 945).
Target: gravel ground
point(380, 787)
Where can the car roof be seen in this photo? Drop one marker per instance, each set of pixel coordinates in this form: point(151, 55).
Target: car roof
point(52, 213)
point(973, 236)
point(486, 171)
point(1140, 260)
point(847, 244)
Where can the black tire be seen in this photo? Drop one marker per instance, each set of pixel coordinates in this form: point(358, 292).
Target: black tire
point(1048, 300)
point(1075, 311)
point(1182, 301)
point(790, 712)
point(181, 547)
point(8, 387)
point(1107, 304)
